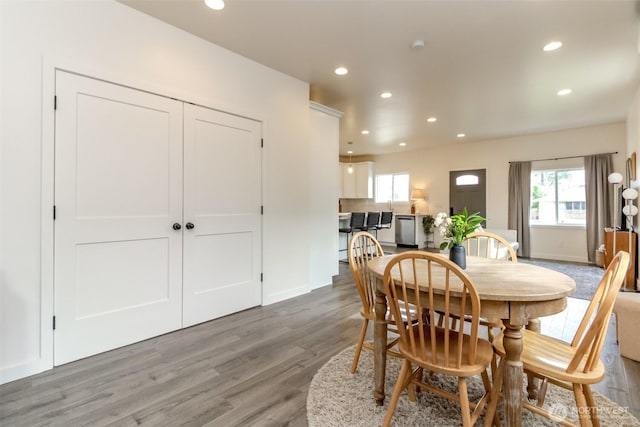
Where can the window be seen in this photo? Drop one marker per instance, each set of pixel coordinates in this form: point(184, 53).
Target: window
point(467, 180)
point(392, 187)
point(558, 197)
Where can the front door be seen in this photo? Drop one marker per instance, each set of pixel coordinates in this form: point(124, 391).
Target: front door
point(467, 189)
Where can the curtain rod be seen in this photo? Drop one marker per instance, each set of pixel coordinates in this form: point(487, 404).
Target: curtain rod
point(568, 157)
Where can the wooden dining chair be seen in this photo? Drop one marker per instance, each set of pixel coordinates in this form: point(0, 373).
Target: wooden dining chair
point(489, 245)
point(426, 346)
point(575, 365)
point(363, 247)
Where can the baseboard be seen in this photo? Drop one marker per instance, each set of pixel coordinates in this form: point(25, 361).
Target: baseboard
point(557, 257)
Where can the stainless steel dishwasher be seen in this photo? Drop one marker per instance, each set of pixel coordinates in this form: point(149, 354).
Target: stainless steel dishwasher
point(405, 231)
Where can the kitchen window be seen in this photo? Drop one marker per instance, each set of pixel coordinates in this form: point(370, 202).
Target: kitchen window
point(392, 188)
point(558, 197)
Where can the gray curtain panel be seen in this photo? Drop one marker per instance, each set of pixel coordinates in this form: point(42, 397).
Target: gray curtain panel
point(599, 199)
point(519, 203)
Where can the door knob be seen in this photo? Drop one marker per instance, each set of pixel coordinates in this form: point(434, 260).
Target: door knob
point(177, 226)
point(190, 226)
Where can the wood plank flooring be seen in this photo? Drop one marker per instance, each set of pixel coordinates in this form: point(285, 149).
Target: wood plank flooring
point(249, 369)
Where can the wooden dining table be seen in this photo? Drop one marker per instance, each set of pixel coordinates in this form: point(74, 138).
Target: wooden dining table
point(513, 292)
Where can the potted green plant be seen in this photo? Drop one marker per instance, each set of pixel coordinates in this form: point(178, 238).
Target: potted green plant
point(427, 223)
point(454, 230)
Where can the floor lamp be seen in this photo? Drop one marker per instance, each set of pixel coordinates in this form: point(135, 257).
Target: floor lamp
point(615, 178)
point(629, 210)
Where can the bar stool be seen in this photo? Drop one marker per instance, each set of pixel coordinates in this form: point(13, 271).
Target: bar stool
point(385, 220)
point(372, 224)
point(356, 223)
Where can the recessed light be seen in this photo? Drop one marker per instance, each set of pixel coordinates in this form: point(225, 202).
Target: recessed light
point(432, 119)
point(563, 92)
point(461, 135)
point(552, 46)
point(365, 132)
point(385, 95)
point(403, 144)
point(215, 4)
point(341, 71)
point(417, 45)
point(350, 152)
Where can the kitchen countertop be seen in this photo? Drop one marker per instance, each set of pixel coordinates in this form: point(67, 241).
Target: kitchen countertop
point(343, 215)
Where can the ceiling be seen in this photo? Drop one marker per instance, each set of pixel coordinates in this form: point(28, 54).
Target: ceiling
point(482, 71)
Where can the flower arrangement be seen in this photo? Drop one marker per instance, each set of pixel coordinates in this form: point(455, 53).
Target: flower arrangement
point(455, 229)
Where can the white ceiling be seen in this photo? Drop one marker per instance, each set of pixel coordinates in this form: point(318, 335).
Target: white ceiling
point(482, 70)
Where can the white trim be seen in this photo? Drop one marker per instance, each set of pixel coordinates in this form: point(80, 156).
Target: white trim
point(44, 361)
point(324, 109)
point(46, 210)
point(558, 257)
point(289, 293)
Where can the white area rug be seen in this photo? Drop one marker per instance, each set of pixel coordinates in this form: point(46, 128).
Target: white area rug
point(338, 399)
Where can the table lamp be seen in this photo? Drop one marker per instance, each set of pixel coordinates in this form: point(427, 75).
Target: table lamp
point(416, 194)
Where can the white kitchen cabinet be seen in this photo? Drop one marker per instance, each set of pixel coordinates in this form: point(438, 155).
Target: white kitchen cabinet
point(359, 183)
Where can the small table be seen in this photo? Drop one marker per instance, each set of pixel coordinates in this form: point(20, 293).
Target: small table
point(513, 292)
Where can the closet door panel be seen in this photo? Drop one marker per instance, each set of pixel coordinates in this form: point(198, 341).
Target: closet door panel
point(118, 190)
point(222, 252)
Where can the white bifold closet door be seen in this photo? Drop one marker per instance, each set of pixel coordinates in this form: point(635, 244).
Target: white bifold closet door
point(118, 191)
point(126, 266)
point(222, 200)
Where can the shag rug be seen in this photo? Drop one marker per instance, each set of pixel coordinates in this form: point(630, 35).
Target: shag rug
point(339, 399)
point(587, 277)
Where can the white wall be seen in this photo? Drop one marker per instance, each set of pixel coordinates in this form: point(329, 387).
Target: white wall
point(109, 40)
point(323, 168)
point(429, 169)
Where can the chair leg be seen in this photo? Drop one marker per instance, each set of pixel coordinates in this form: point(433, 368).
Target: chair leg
point(400, 384)
point(412, 387)
point(542, 392)
point(581, 403)
point(345, 261)
point(488, 389)
point(356, 357)
point(495, 395)
point(593, 409)
point(464, 402)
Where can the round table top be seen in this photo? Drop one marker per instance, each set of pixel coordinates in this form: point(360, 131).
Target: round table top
point(499, 280)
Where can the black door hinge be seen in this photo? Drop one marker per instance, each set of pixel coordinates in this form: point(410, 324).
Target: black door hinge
point(261, 143)
point(261, 277)
point(262, 210)
point(54, 212)
point(54, 323)
point(55, 102)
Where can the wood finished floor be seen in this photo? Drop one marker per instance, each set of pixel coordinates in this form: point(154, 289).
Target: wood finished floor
point(249, 369)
